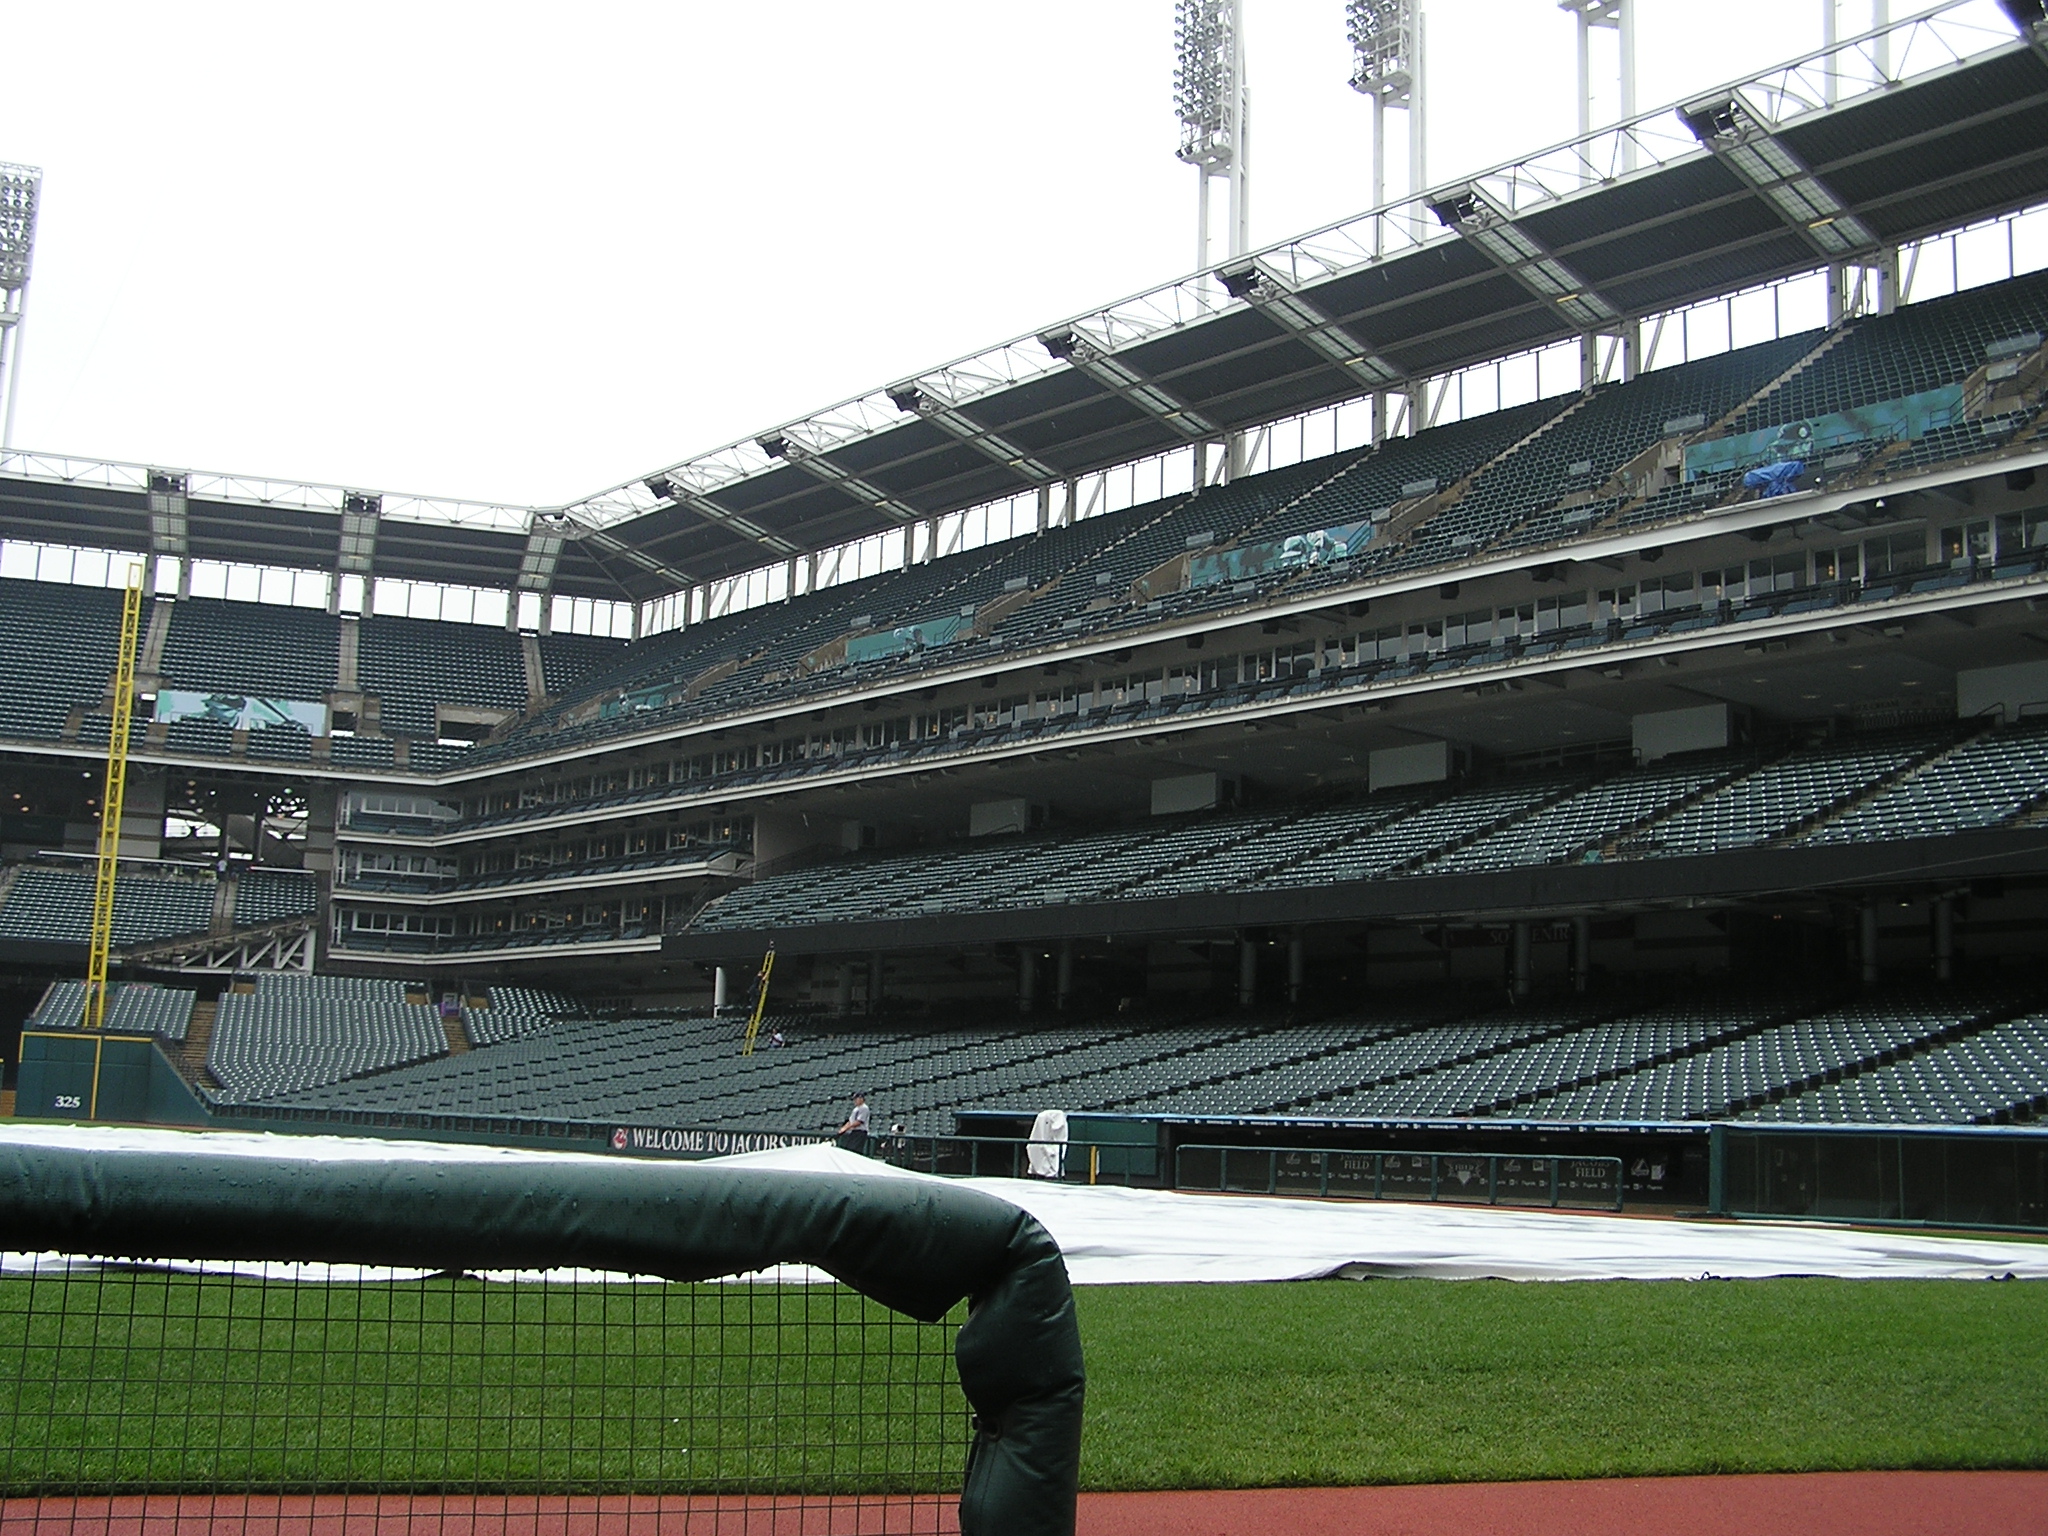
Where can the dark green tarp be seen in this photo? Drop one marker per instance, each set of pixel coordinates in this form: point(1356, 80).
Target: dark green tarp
point(915, 1245)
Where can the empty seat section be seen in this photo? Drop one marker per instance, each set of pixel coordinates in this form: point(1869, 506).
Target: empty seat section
point(289, 1033)
point(1983, 1077)
point(1979, 784)
point(270, 895)
point(414, 664)
point(1771, 801)
point(56, 905)
point(57, 648)
point(214, 646)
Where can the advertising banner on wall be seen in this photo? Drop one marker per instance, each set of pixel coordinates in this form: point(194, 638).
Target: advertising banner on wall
point(906, 638)
point(1320, 546)
point(242, 711)
point(1885, 421)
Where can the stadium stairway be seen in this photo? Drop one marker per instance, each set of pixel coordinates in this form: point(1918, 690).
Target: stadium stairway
point(1635, 484)
point(190, 1058)
point(1408, 521)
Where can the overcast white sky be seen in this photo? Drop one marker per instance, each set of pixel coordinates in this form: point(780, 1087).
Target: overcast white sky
point(521, 252)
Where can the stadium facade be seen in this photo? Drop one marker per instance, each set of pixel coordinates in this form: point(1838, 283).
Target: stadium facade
point(1728, 668)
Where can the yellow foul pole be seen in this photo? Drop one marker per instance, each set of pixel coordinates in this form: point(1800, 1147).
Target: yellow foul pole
point(111, 801)
point(760, 1000)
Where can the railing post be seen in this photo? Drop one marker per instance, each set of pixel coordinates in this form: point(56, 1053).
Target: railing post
point(1435, 1172)
point(1553, 1183)
point(1379, 1169)
point(1493, 1178)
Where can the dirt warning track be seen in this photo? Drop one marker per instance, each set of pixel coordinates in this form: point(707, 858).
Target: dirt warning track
point(1790, 1504)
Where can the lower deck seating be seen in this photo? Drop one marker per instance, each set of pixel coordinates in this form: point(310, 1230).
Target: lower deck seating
point(1987, 1076)
point(508, 1012)
point(1710, 1056)
point(290, 1033)
point(135, 1007)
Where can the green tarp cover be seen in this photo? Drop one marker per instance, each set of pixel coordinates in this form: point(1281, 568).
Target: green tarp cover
point(914, 1245)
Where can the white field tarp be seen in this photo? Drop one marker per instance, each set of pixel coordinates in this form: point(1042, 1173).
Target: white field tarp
point(1128, 1236)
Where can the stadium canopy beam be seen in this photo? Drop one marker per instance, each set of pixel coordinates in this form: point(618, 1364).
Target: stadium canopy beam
point(918, 400)
point(668, 488)
point(169, 530)
point(816, 465)
point(1483, 222)
point(1740, 137)
point(1275, 298)
point(599, 539)
point(357, 554)
point(1126, 383)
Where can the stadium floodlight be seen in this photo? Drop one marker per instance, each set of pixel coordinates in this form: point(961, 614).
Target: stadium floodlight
point(780, 445)
point(1740, 138)
point(918, 400)
point(1269, 293)
point(1492, 230)
point(1386, 65)
point(168, 530)
point(21, 188)
point(669, 488)
point(1124, 381)
point(359, 513)
point(545, 540)
point(1212, 102)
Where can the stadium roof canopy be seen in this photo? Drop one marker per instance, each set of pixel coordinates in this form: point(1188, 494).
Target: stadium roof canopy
point(1929, 124)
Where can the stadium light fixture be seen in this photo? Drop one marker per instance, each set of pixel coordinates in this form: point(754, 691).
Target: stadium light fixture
point(359, 513)
point(545, 539)
point(21, 188)
point(1386, 65)
point(668, 488)
point(1128, 384)
point(1491, 229)
point(1269, 293)
point(1213, 103)
point(169, 533)
point(818, 467)
point(917, 400)
point(1740, 138)
point(618, 548)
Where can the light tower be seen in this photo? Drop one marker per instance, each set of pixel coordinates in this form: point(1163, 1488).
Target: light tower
point(20, 190)
point(1210, 95)
point(1618, 16)
point(1386, 65)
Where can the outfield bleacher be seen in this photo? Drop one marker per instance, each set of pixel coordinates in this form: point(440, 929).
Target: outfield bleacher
point(133, 1007)
point(287, 1033)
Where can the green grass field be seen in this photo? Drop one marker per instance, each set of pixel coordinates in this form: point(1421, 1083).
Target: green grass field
point(1422, 1381)
point(133, 1380)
